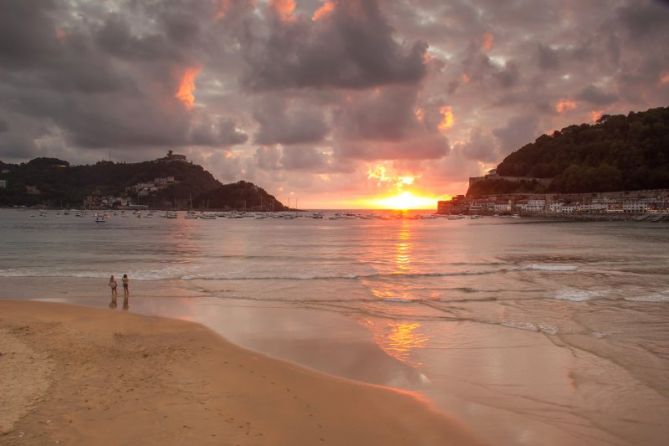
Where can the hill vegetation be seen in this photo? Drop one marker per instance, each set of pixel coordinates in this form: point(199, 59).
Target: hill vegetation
point(55, 182)
point(617, 153)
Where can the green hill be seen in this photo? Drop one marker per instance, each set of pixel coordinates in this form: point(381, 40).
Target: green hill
point(169, 182)
point(617, 153)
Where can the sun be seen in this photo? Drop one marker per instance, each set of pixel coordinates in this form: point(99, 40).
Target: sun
point(404, 201)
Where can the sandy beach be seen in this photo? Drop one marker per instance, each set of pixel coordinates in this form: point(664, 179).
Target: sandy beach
point(74, 375)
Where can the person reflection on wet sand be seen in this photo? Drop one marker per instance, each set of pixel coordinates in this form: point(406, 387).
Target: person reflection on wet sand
point(126, 292)
point(113, 285)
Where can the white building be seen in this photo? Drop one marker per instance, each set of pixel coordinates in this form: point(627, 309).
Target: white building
point(503, 207)
point(635, 207)
point(535, 206)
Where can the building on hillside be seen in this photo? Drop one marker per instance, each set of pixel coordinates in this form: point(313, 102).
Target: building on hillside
point(502, 206)
point(531, 206)
point(172, 157)
point(456, 205)
point(635, 206)
point(164, 181)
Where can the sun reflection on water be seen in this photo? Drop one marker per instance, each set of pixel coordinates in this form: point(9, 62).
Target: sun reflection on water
point(403, 249)
point(398, 339)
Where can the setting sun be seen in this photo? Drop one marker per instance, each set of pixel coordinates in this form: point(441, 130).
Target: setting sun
point(405, 200)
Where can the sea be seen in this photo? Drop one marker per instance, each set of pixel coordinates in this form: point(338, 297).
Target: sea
point(526, 331)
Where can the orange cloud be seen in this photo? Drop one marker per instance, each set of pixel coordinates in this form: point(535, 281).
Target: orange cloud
point(222, 8)
point(382, 176)
point(284, 9)
point(61, 35)
point(420, 114)
point(378, 173)
point(564, 105)
point(323, 11)
point(488, 41)
point(186, 91)
point(595, 115)
point(664, 79)
point(447, 118)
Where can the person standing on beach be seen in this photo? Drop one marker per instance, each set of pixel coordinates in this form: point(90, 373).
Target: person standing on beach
point(113, 285)
point(126, 293)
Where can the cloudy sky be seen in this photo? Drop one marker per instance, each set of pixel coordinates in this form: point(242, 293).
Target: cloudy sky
point(334, 103)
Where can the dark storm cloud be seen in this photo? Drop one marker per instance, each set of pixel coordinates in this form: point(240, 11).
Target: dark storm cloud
point(517, 132)
point(352, 47)
point(645, 18)
point(596, 96)
point(288, 122)
point(268, 158)
point(430, 147)
point(102, 83)
point(370, 81)
point(480, 146)
point(389, 123)
point(223, 133)
point(26, 31)
point(387, 114)
point(304, 158)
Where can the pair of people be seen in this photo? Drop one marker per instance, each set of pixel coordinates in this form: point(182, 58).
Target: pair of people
point(126, 293)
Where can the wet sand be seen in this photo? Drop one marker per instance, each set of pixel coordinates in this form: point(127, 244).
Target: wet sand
point(86, 376)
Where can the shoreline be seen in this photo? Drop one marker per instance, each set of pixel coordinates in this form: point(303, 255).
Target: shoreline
point(114, 378)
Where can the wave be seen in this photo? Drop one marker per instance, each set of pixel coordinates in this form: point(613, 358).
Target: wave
point(529, 326)
point(577, 295)
point(178, 274)
point(339, 276)
point(654, 297)
point(557, 267)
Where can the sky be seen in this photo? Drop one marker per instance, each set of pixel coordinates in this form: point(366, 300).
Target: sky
point(324, 103)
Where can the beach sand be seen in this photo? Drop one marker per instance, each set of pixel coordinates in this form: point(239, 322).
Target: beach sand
point(74, 375)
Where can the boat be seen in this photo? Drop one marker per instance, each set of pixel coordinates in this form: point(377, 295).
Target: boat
point(100, 219)
point(170, 214)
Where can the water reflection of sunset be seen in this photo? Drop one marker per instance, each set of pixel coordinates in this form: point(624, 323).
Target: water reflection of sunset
point(403, 248)
point(400, 263)
point(398, 339)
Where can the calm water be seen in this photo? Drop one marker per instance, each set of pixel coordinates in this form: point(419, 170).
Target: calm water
point(529, 332)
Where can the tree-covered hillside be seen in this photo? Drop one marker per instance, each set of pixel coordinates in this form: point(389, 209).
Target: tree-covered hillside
point(240, 195)
point(617, 153)
point(54, 182)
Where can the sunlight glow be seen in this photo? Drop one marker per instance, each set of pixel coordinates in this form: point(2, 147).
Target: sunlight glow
point(404, 201)
point(447, 119)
